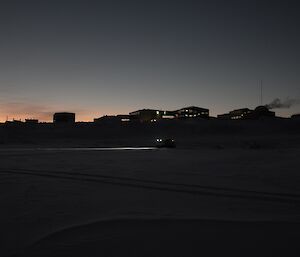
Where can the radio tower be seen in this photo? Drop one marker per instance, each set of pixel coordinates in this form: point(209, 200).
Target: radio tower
point(261, 92)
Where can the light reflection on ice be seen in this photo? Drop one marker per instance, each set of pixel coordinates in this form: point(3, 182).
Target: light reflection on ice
point(81, 149)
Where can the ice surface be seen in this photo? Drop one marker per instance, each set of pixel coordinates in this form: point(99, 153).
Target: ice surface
point(232, 194)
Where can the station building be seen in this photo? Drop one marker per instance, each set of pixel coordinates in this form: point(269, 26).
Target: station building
point(192, 112)
point(262, 112)
point(64, 118)
point(31, 121)
point(112, 119)
point(147, 115)
point(152, 115)
point(246, 113)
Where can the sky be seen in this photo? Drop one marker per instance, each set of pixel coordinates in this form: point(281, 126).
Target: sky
point(114, 57)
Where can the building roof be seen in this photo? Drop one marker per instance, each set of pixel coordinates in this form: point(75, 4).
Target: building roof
point(145, 110)
point(64, 113)
point(193, 108)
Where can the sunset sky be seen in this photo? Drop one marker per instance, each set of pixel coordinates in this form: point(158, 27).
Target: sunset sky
point(111, 57)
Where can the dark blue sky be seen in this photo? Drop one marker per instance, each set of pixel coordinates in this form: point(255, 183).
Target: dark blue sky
point(108, 57)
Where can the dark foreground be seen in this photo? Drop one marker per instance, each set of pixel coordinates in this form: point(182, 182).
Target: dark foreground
point(168, 237)
point(232, 193)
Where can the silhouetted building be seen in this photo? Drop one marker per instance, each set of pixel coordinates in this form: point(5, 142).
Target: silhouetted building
point(31, 121)
point(147, 115)
point(14, 122)
point(192, 112)
point(64, 117)
point(245, 113)
point(124, 117)
point(169, 115)
point(261, 112)
point(106, 119)
point(238, 114)
point(150, 115)
point(225, 116)
point(111, 119)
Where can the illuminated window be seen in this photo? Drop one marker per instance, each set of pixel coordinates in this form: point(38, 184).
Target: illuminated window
point(168, 117)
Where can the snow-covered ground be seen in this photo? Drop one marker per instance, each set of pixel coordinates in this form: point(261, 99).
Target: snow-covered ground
point(236, 196)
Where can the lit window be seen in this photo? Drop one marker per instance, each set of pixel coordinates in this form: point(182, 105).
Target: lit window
point(168, 117)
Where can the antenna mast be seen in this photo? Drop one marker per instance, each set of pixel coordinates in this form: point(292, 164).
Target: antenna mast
point(261, 92)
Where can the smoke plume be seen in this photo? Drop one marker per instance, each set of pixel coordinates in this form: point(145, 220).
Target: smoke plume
point(279, 104)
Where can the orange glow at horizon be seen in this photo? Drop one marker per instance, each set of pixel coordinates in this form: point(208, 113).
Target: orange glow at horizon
point(81, 116)
point(42, 118)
